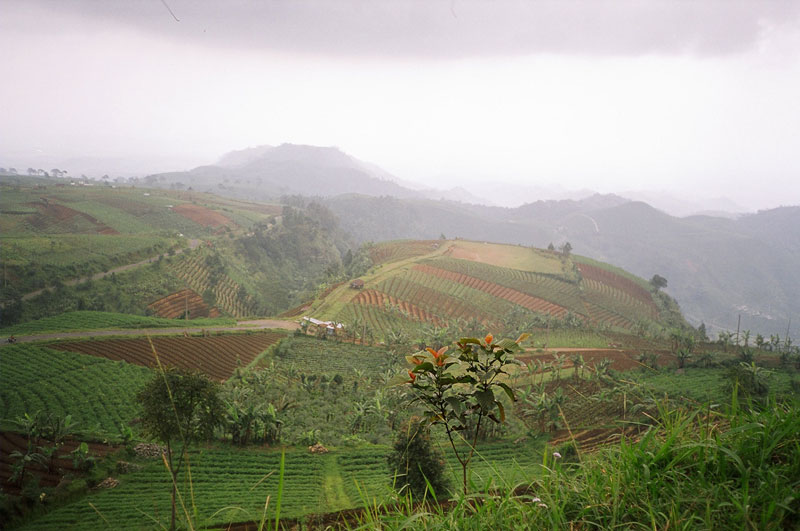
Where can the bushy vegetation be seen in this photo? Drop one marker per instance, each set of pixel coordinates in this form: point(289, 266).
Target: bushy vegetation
point(739, 470)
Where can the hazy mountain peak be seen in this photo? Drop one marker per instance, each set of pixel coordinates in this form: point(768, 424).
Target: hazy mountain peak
point(244, 156)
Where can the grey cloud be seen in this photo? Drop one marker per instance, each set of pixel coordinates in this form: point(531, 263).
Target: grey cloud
point(444, 29)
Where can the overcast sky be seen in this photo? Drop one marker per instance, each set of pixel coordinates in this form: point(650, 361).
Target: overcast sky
point(689, 97)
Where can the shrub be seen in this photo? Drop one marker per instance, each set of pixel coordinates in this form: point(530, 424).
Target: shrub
point(415, 463)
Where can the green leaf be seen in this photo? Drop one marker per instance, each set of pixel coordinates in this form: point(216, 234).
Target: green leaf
point(423, 367)
point(485, 399)
point(507, 344)
point(508, 390)
point(399, 379)
point(470, 341)
point(455, 404)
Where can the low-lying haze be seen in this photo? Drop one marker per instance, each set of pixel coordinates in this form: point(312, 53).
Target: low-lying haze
point(698, 100)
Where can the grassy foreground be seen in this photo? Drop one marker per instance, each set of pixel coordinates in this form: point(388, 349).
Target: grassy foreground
point(691, 470)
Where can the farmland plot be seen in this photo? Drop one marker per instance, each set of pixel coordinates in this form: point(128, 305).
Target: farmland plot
point(227, 486)
point(216, 356)
point(98, 393)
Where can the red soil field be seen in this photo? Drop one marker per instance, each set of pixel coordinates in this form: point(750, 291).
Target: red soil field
point(619, 282)
point(215, 356)
point(202, 215)
point(175, 305)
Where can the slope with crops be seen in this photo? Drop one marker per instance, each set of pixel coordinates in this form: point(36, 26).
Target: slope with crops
point(443, 281)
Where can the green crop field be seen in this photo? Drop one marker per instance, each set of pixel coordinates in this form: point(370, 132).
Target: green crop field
point(316, 356)
point(98, 393)
point(232, 485)
point(507, 256)
point(87, 320)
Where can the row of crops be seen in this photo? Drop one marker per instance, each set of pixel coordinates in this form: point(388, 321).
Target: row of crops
point(227, 486)
point(547, 287)
point(443, 297)
point(443, 289)
point(619, 301)
point(217, 356)
point(498, 291)
point(181, 303)
point(192, 269)
point(619, 282)
point(98, 393)
point(372, 297)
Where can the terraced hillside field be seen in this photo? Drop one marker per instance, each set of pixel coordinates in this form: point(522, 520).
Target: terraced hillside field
point(56, 231)
point(216, 356)
point(459, 280)
point(193, 268)
point(180, 303)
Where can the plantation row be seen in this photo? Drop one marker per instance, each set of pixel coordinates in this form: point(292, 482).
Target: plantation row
point(547, 287)
point(444, 297)
point(393, 251)
point(600, 316)
point(619, 282)
point(436, 301)
point(192, 269)
point(378, 320)
point(313, 356)
point(227, 486)
point(98, 393)
point(153, 213)
point(373, 297)
point(496, 290)
point(620, 301)
point(216, 356)
point(180, 303)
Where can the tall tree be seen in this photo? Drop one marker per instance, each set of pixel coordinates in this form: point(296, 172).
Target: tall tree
point(179, 409)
